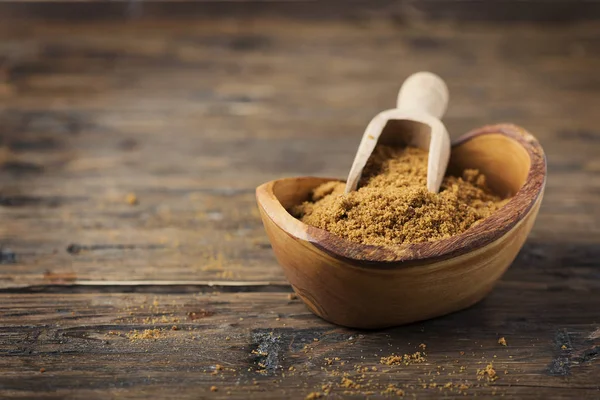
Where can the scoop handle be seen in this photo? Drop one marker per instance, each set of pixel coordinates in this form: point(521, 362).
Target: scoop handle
point(425, 92)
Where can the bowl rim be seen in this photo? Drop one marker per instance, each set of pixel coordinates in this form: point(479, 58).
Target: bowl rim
point(489, 230)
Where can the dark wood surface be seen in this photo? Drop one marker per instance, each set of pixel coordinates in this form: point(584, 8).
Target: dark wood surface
point(400, 11)
point(191, 115)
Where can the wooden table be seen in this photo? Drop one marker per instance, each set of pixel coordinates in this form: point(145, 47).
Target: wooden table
point(179, 294)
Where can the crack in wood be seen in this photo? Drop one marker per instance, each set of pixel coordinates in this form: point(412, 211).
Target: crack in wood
point(25, 201)
point(21, 167)
point(75, 248)
point(588, 355)
point(569, 355)
point(167, 287)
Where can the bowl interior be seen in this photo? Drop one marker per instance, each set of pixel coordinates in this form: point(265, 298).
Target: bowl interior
point(502, 159)
point(291, 192)
point(514, 165)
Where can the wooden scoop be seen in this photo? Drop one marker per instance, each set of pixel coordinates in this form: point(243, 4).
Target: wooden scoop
point(422, 101)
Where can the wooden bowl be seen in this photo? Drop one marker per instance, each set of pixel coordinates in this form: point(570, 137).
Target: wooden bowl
point(364, 286)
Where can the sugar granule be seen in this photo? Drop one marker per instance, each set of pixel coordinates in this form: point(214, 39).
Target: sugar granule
point(392, 205)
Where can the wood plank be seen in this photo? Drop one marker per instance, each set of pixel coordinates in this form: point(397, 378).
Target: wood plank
point(401, 11)
point(181, 115)
point(270, 346)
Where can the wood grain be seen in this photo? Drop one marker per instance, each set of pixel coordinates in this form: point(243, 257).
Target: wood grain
point(359, 11)
point(81, 340)
point(148, 108)
point(97, 105)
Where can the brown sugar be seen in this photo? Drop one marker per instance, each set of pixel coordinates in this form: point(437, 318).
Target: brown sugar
point(406, 359)
point(488, 372)
point(146, 334)
point(392, 205)
point(131, 199)
point(349, 383)
point(313, 396)
point(393, 390)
